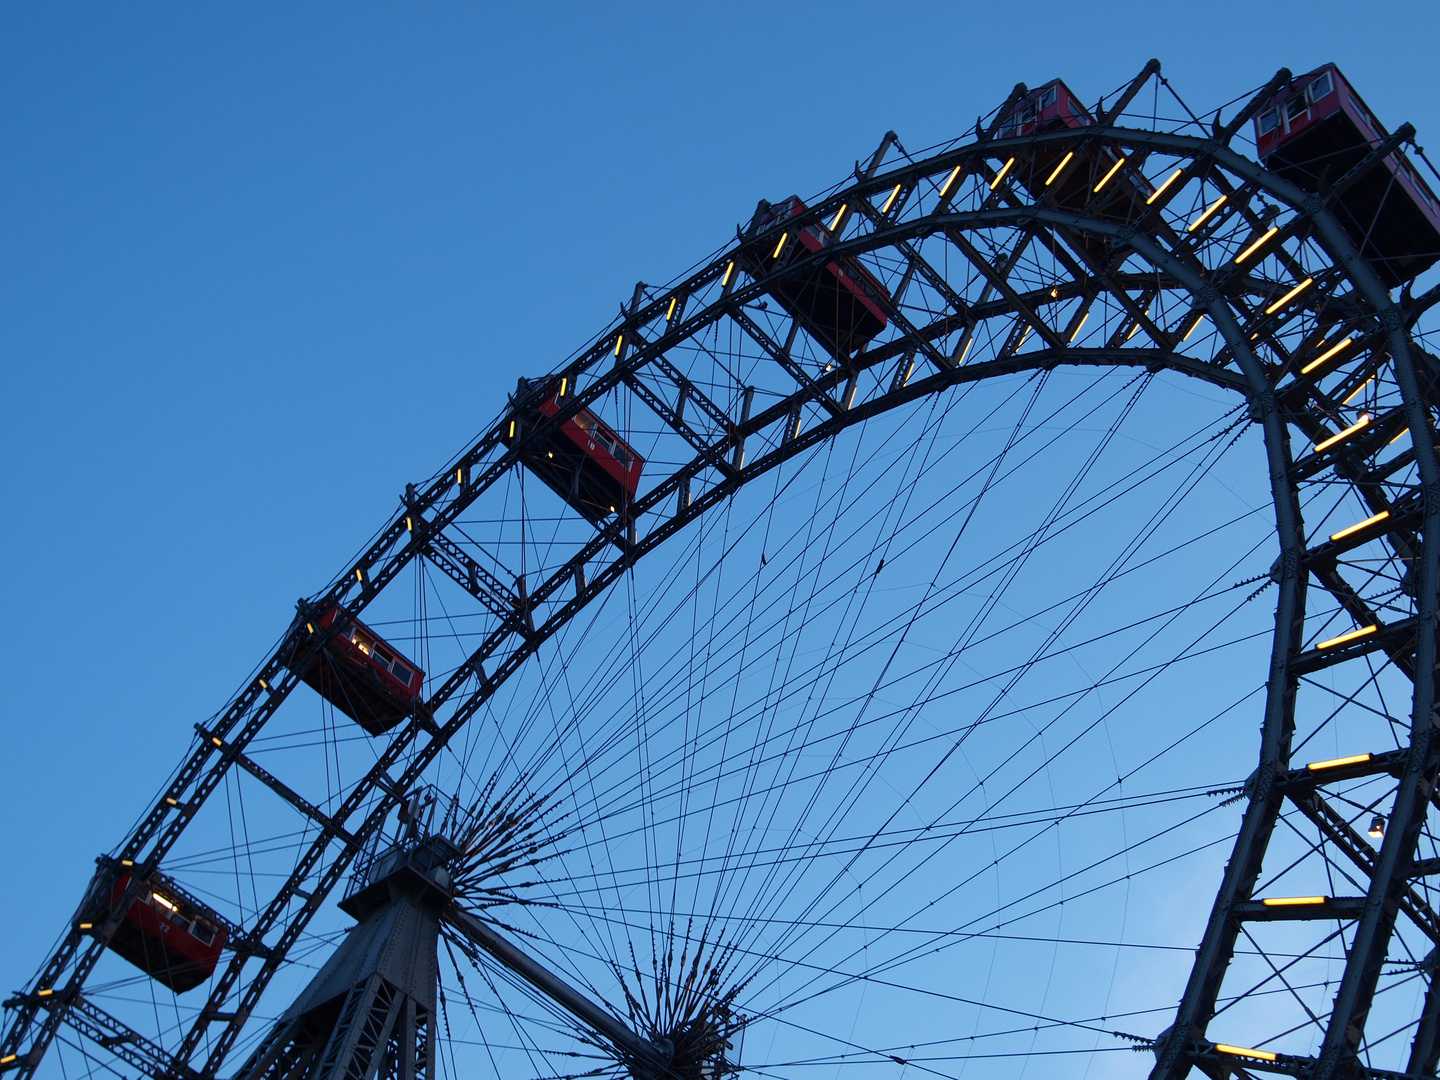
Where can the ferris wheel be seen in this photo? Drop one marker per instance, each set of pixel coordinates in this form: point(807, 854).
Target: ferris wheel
point(871, 653)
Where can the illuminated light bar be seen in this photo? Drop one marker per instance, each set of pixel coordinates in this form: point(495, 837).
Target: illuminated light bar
point(1353, 529)
point(949, 180)
point(1335, 763)
point(1194, 326)
point(970, 341)
point(83, 926)
point(1001, 174)
point(1403, 433)
point(310, 627)
point(780, 246)
point(564, 381)
point(216, 740)
point(671, 313)
point(409, 525)
point(1326, 355)
point(265, 685)
point(1353, 635)
point(891, 200)
point(1161, 189)
point(7, 1059)
point(1356, 392)
point(1325, 444)
point(163, 902)
point(1113, 170)
point(619, 341)
point(44, 993)
point(1278, 304)
point(833, 221)
point(512, 429)
point(459, 479)
point(1245, 1051)
point(171, 802)
point(1059, 168)
point(1209, 210)
point(730, 269)
point(1292, 901)
point(127, 862)
point(360, 575)
point(1257, 244)
point(1025, 336)
point(1076, 333)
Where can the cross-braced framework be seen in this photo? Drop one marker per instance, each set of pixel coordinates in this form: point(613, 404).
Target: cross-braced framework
point(1179, 255)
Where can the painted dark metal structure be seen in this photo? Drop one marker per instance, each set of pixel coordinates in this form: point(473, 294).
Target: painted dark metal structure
point(1025, 171)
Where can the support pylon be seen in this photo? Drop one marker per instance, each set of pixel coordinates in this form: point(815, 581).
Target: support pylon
point(370, 1012)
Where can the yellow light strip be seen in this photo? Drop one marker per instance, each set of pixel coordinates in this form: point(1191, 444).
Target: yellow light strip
point(127, 862)
point(619, 341)
point(564, 382)
point(216, 740)
point(728, 271)
point(1292, 901)
point(1356, 392)
point(265, 685)
point(838, 215)
point(45, 993)
point(1353, 635)
point(1335, 763)
point(512, 429)
point(409, 525)
point(8, 1058)
point(1059, 168)
point(1245, 1051)
point(780, 246)
point(1161, 189)
point(1257, 244)
point(162, 901)
point(949, 180)
point(891, 200)
point(671, 313)
point(1353, 529)
point(1325, 444)
point(1194, 326)
point(1326, 355)
point(170, 801)
point(1403, 433)
point(969, 341)
point(360, 575)
point(1001, 174)
point(1076, 334)
point(1204, 217)
point(1113, 170)
point(1024, 337)
point(1278, 304)
point(83, 926)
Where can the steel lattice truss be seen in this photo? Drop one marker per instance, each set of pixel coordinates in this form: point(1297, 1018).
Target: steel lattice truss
point(985, 279)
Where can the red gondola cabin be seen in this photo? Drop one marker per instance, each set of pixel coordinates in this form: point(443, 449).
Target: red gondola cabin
point(166, 934)
point(1067, 175)
point(839, 303)
point(582, 460)
point(358, 672)
point(1314, 132)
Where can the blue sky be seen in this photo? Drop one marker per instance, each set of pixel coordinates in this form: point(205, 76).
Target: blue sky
point(260, 265)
